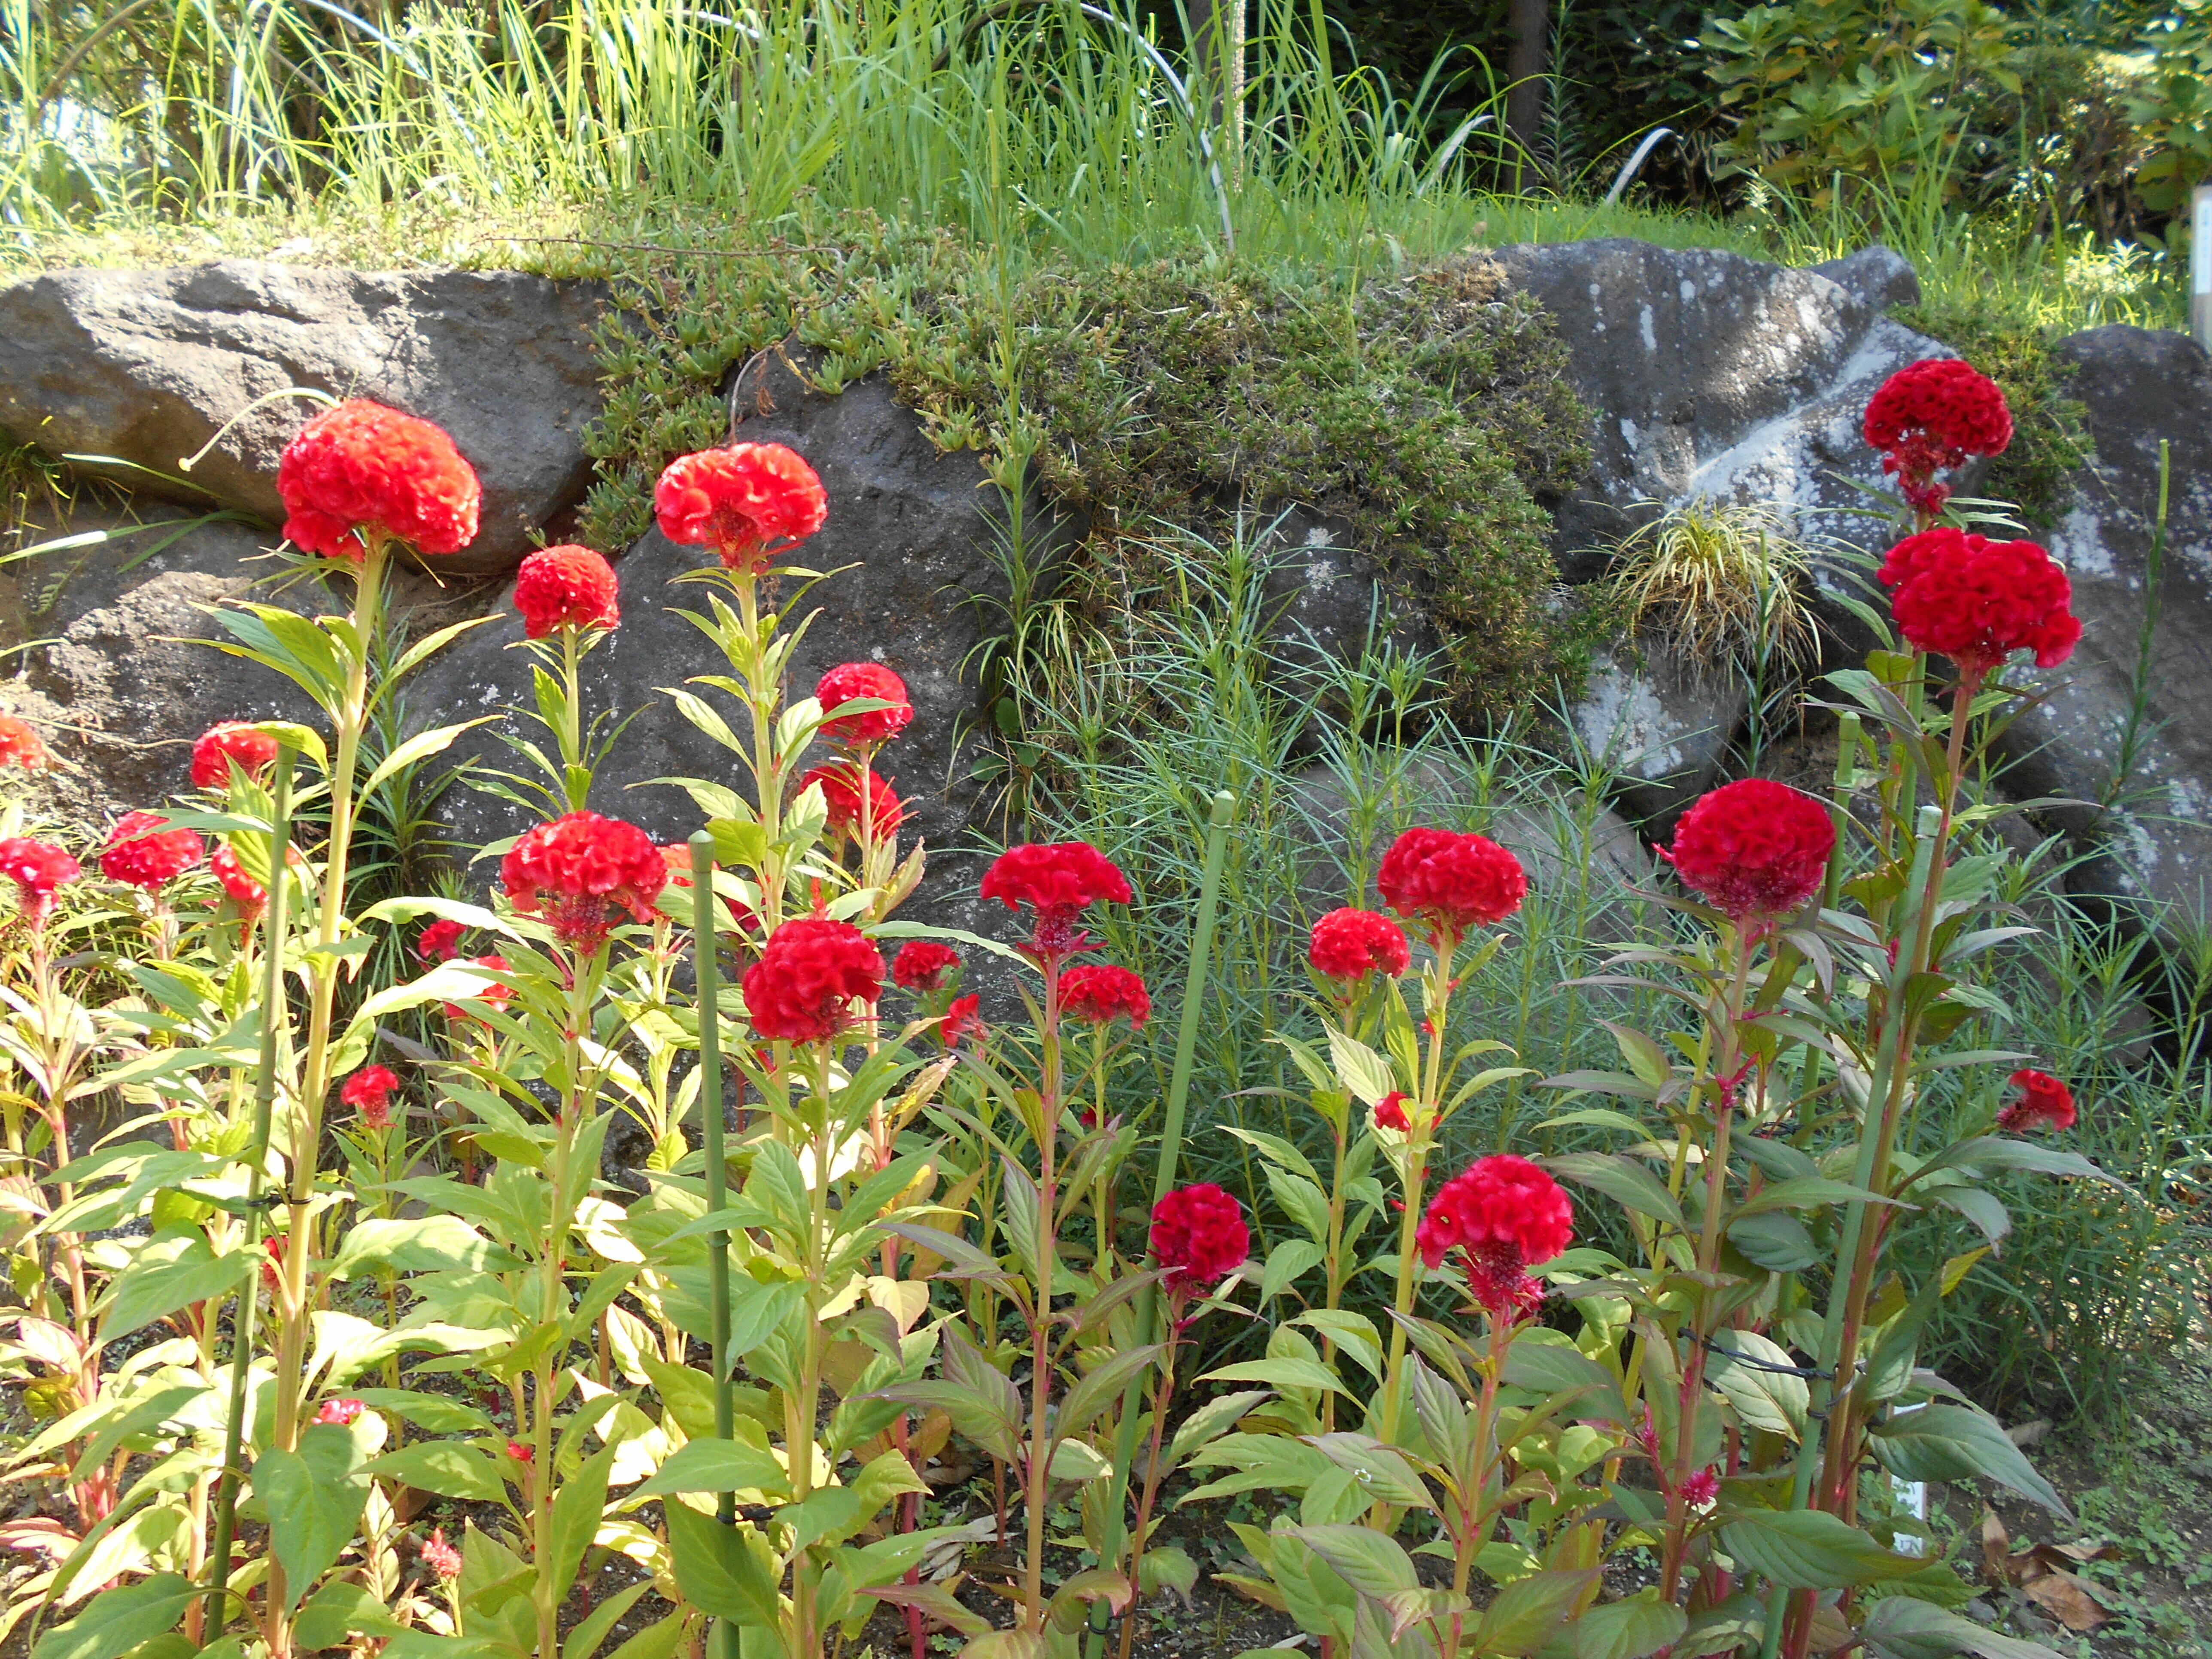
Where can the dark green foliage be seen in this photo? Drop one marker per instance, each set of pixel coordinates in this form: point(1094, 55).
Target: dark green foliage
point(1428, 410)
point(2049, 442)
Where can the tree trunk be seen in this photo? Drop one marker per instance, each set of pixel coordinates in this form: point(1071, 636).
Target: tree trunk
point(1530, 55)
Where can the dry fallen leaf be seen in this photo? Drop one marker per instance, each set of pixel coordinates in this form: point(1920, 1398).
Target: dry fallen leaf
point(1996, 1548)
point(2067, 1600)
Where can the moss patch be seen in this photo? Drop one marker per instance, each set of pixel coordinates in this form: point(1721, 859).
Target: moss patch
point(1429, 410)
point(2049, 441)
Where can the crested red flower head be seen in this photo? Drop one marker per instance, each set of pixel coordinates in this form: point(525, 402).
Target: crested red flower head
point(1928, 417)
point(363, 467)
point(1099, 994)
point(740, 502)
point(1058, 880)
point(578, 869)
point(566, 586)
point(842, 798)
point(1352, 944)
point(2045, 1103)
point(439, 942)
point(1450, 882)
point(37, 868)
point(140, 854)
point(246, 893)
point(809, 975)
point(1390, 1112)
point(1507, 1216)
point(20, 745)
point(851, 681)
point(1197, 1237)
point(1976, 601)
point(441, 1558)
point(226, 742)
point(1757, 848)
point(922, 963)
point(494, 995)
point(369, 1091)
point(963, 1019)
point(340, 1412)
point(1702, 1487)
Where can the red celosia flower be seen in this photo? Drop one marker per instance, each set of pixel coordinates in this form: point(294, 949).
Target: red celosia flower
point(922, 963)
point(1929, 416)
point(248, 894)
point(565, 586)
point(1351, 944)
point(1976, 601)
point(273, 1247)
point(849, 681)
point(139, 853)
point(439, 942)
point(1099, 993)
point(494, 995)
point(1507, 1215)
point(440, 1556)
point(520, 1452)
point(2044, 1103)
point(361, 466)
point(1198, 1236)
point(1450, 882)
point(368, 1091)
point(840, 795)
point(340, 1412)
point(739, 500)
point(37, 868)
point(961, 1020)
point(227, 741)
point(1758, 849)
point(1701, 1488)
point(1390, 1113)
point(578, 869)
point(1058, 880)
point(20, 745)
point(676, 855)
point(809, 975)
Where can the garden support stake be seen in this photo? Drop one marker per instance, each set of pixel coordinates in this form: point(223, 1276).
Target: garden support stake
point(1224, 814)
point(722, 1644)
point(265, 1102)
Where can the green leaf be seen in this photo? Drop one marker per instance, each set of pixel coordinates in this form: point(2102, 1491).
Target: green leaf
point(1528, 1611)
point(166, 1274)
point(577, 1503)
point(1806, 1193)
point(1370, 1562)
point(1954, 1443)
point(1629, 1629)
point(117, 1620)
point(717, 1465)
point(1285, 1371)
point(451, 1468)
point(1777, 1241)
point(1285, 1262)
point(591, 1632)
point(426, 1245)
point(1557, 1368)
point(1303, 1201)
point(1810, 1549)
point(1623, 1180)
point(1900, 1627)
point(1101, 1387)
point(314, 1496)
point(2002, 1152)
point(420, 747)
point(717, 1569)
point(338, 1610)
point(1768, 1400)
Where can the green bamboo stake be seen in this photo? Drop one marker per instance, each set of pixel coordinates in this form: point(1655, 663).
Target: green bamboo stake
point(705, 980)
point(1148, 1306)
point(265, 1105)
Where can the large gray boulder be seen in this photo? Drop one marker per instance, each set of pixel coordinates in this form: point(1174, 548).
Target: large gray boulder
point(2155, 846)
point(145, 366)
point(917, 527)
point(1718, 376)
point(122, 674)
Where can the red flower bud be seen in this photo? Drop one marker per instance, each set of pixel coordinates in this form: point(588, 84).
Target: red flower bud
point(1198, 1236)
point(1758, 849)
point(740, 501)
point(578, 869)
point(361, 466)
point(1352, 944)
point(223, 743)
point(20, 745)
point(1450, 882)
point(140, 854)
point(566, 586)
point(922, 963)
point(1099, 993)
point(809, 975)
point(2044, 1103)
point(1507, 1215)
point(37, 868)
point(853, 680)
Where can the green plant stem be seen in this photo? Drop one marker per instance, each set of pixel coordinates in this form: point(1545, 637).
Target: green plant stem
point(1039, 1473)
point(265, 1102)
point(1162, 1396)
point(1475, 1505)
point(1220, 816)
point(1438, 1011)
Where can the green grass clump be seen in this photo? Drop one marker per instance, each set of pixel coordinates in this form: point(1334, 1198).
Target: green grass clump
point(1429, 410)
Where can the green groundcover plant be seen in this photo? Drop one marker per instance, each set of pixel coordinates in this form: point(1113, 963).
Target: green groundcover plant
point(306, 1294)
